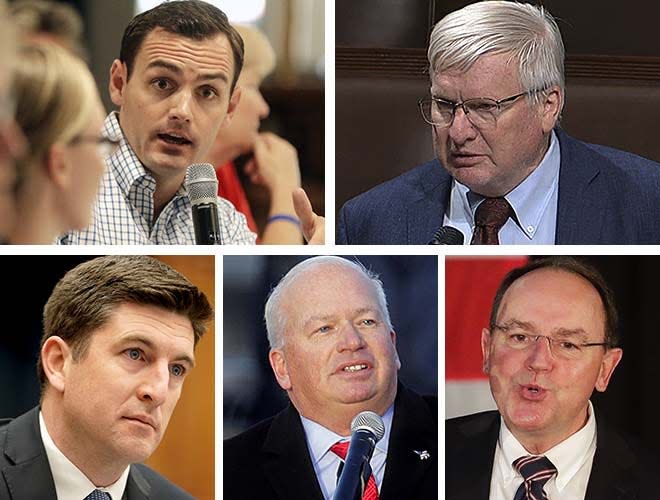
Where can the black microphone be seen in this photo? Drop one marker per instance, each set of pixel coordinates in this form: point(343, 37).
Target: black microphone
point(447, 235)
point(367, 429)
point(202, 185)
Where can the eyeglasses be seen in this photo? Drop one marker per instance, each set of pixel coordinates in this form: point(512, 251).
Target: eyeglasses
point(106, 146)
point(482, 112)
point(559, 348)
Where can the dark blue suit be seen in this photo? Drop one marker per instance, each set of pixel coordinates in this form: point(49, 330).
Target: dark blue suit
point(606, 197)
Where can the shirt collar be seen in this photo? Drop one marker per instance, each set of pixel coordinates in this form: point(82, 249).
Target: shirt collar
point(567, 456)
point(524, 199)
point(320, 439)
point(70, 481)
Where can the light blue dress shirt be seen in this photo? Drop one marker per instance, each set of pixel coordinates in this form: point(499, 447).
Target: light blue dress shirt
point(534, 202)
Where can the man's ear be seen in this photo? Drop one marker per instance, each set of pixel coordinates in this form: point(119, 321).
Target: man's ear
point(278, 364)
point(552, 103)
point(118, 81)
point(485, 349)
point(56, 359)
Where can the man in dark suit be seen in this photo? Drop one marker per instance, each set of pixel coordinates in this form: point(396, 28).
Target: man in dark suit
point(333, 350)
point(551, 341)
point(505, 172)
point(119, 338)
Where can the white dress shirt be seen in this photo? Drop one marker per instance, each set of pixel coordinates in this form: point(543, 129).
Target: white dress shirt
point(534, 202)
point(572, 457)
point(70, 482)
point(326, 463)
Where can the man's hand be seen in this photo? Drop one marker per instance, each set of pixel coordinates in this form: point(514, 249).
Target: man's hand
point(313, 226)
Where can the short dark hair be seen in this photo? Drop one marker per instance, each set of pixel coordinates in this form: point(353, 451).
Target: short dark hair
point(189, 18)
point(573, 266)
point(85, 298)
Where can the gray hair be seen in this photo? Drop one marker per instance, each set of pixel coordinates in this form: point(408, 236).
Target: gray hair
point(527, 32)
point(275, 318)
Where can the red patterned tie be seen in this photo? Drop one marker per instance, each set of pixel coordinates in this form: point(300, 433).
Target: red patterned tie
point(491, 215)
point(371, 491)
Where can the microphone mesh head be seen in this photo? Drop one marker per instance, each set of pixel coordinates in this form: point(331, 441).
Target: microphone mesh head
point(447, 235)
point(370, 421)
point(201, 183)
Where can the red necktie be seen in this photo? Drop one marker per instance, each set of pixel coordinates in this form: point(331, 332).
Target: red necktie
point(371, 491)
point(491, 215)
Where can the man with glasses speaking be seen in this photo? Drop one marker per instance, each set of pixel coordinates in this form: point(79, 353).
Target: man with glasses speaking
point(551, 341)
point(505, 172)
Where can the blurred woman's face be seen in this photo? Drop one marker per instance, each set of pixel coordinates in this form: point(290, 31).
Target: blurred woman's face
point(12, 144)
point(88, 166)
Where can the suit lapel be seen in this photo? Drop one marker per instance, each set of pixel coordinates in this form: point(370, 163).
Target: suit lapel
point(580, 205)
point(471, 469)
point(425, 214)
point(137, 487)
point(286, 460)
point(414, 431)
point(613, 470)
point(29, 477)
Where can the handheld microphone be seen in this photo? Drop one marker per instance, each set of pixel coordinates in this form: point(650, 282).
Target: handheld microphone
point(202, 185)
point(367, 429)
point(447, 235)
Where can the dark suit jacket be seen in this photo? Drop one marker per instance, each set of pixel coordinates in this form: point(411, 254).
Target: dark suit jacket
point(271, 460)
point(606, 196)
point(25, 472)
point(621, 470)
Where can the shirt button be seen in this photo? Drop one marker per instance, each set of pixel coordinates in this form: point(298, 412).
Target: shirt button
point(530, 229)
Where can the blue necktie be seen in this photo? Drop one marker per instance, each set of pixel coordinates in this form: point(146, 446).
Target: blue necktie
point(535, 470)
point(98, 495)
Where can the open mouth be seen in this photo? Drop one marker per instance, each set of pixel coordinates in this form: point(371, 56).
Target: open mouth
point(174, 139)
point(533, 392)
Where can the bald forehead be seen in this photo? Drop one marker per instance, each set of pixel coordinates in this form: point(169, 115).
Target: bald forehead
point(552, 284)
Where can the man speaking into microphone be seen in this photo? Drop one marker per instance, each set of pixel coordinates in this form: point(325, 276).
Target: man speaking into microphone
point(175, 85)
point(333, 350)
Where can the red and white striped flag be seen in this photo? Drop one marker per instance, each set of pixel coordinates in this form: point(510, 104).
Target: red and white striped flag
point(470, 286)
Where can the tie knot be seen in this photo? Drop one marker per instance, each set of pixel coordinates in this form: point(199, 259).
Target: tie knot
point(340, 448)
point(492, 212)
point(98, 495)
point(535, 468)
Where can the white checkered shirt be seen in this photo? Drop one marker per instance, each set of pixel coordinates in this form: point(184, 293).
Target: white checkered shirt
point(123, 212)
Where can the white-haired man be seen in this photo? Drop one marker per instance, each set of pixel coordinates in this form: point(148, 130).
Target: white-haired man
point(505, 172)
point(333, 350)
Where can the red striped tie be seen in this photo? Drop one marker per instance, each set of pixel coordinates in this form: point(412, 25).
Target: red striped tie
point(535, 470)
point(371, 491)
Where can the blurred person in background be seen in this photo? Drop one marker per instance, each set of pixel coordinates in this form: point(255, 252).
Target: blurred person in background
point(274, 161)
point(50, 21)
point(60, 112)
point(12, 142)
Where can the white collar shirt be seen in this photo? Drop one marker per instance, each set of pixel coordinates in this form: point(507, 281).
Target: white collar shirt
point(573, 459)
point(70, 482)
point(123, 211)
point(326, 463)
